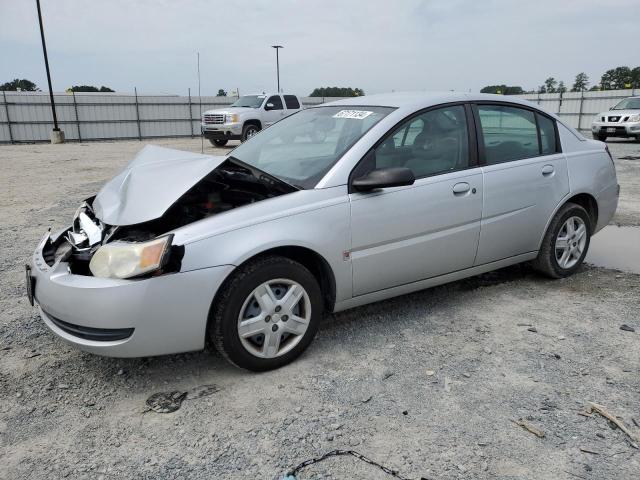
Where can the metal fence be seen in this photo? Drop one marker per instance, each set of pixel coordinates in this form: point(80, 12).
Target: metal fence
point(579, 108)
point(26, 116)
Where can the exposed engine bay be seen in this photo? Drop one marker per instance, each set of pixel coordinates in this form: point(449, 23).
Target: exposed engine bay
point(231, 185)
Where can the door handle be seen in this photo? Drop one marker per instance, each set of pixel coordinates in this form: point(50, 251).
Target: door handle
point(548, 170)
point(460, 188)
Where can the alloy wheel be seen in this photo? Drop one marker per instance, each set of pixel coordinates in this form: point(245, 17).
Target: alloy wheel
point(274, 318)
point(570, 242)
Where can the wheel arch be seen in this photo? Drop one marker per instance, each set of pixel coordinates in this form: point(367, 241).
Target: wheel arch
point(586, 200)
point(253, 121)
point(309, 258)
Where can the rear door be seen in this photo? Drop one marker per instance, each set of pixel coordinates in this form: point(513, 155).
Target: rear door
point(274, 112)
point(402, 235)
point(525, 177)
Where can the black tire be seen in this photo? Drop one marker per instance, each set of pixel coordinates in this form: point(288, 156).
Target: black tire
point(638, 139)
point(218, 142)
point(223, 320)
point(249, 130)
point(599, 136)
point(546, 261)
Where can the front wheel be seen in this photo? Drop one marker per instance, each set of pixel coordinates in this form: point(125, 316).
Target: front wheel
point(218, 142)
point(249, 131)
point(566, 242)
point(267, 314)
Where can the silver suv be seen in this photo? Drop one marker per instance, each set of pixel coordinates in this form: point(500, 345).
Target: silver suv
point(247, 116)
point(622, 120)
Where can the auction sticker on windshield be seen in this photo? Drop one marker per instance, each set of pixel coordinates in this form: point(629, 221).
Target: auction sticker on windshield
point(357, 114)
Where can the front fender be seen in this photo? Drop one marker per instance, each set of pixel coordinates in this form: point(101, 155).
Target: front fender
point(325, 231)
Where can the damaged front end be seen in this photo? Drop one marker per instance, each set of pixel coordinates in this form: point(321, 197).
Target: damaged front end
point(90, 247)
point(114, 235)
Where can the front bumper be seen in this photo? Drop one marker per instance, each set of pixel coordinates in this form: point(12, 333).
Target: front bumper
point(126, 318)
point(627, 129)
point(222, 131)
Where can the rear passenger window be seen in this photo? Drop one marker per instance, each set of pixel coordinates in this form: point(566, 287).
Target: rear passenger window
point(509, 133)
point(291, 101)
point(547, 135)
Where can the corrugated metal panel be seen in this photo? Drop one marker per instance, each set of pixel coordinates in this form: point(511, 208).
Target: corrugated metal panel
point(114, 115)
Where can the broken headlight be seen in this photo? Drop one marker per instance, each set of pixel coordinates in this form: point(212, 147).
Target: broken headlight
point(127, 259)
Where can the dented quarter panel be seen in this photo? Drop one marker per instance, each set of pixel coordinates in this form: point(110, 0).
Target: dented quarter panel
point(150, 184)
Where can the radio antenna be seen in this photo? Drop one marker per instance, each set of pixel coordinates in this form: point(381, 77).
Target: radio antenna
point(200, 100)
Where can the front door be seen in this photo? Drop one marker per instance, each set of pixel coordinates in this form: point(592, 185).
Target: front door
point(405, 234)
point(274, 112)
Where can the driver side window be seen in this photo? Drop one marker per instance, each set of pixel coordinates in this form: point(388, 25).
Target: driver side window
point(276, 101)
point(431, 143)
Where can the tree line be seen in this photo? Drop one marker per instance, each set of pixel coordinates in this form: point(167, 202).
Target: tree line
point(618, 78)
point(337, 92)
point(25, 85)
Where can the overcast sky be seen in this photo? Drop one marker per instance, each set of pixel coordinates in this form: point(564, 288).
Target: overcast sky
point(377, 45)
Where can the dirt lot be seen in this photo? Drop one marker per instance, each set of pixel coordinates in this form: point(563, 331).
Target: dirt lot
point(427, 384)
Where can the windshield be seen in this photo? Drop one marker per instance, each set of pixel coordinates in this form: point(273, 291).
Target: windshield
point(632, 103)
point(251, 101)
point(301, 148)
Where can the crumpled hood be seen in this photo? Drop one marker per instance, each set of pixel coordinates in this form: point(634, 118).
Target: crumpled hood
point(153, 181)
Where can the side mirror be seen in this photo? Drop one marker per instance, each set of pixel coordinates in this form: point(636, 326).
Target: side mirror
point(269, 106)
point(384, 178)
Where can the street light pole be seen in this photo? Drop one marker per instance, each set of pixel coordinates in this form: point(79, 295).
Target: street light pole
point(277, 47)
point(56, 136)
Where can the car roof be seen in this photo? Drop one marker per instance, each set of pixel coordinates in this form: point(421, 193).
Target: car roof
point(419, 100)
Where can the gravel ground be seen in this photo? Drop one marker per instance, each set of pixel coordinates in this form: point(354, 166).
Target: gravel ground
point(428, 384)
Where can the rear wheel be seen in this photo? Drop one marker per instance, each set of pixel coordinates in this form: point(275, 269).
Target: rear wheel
point(218, 142)
point(267, 314)
point(566, 242)
point(249, 131)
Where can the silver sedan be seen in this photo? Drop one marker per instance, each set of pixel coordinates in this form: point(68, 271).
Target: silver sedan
point(334, 207)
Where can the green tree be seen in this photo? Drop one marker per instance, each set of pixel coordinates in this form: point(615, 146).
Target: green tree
point(617, 78)
point(580, 83)
point(222, 93)
point(561, 87)
point(502, 89)
point(337, 92)
point(88, 88)
point(635, 77)
point(19, 84)
point(606, 81)
point(550, 85)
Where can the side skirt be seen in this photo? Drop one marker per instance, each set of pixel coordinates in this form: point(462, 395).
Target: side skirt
point(431, 282)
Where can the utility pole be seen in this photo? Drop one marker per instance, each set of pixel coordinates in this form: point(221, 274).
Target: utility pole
point(277, 47)
point(57, 135)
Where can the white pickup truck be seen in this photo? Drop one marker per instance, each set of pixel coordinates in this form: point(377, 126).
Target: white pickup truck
point(247, 116)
